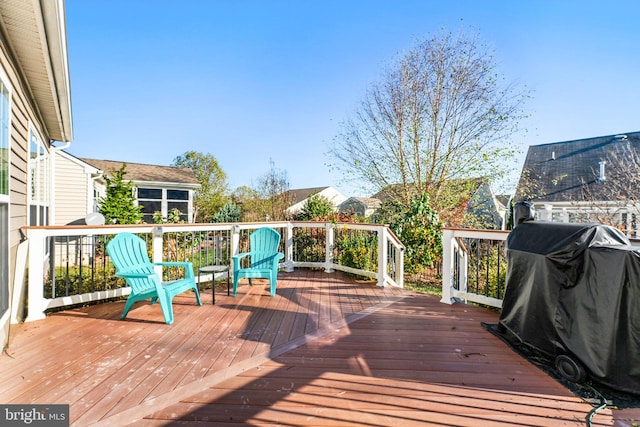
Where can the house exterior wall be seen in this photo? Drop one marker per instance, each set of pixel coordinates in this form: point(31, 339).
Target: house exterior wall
point(73, 191)
point(329, 193)
point(333, 195)
point(483, 207)
point(22, 115)
point(353, 205)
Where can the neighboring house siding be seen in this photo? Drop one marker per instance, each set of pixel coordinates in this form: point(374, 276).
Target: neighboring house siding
point(484, 208)
point(72, 191)
point(364, 206)
point(353, 206)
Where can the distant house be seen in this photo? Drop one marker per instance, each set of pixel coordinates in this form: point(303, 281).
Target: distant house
point(362, 206)
point(479, 207)
point(297, 198)
point(35, 111)
point(592, 179)
point(158, 188)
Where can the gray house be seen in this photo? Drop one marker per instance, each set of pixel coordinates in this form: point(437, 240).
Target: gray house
point(362, 206)
point(585, 180)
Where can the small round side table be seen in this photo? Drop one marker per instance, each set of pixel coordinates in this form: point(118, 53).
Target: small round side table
point(213, 269)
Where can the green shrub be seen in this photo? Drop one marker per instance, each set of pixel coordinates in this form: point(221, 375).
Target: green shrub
point(357, 249)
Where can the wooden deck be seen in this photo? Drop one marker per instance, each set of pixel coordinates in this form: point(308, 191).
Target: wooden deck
point(327, 350)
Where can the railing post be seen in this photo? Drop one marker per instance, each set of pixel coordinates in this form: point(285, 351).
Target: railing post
point(288, 249)
point(463, 268)
point(235, 246)
point(400, 268)
point(328, 263)
point(447, 266)
point(156, 248)
point(35, 291)
point(382, 255)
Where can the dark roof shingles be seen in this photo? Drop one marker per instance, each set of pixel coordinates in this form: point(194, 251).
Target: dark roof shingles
point(556, 172)
point(146, 173)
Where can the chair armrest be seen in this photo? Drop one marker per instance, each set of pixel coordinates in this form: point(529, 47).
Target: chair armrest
point(188, 266)
point(134, 275)
point(236, 260)
point(276, 259)
point(134, 271)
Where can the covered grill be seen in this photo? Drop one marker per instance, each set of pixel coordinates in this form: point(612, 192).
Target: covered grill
point(573, 293)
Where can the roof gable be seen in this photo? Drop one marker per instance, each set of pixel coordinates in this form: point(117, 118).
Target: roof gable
point(75, 160)
point(300, 194)
point(564, 171)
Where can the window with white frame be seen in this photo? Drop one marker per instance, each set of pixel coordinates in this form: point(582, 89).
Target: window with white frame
point(38, 180)
point(4, 197)
point(178, 199)
point(163, 200)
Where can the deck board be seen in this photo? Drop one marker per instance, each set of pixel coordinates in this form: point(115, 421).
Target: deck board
point(327, 350)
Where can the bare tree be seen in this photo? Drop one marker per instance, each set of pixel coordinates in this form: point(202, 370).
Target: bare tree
point(437, 114)
point(272, 188)
point(612, 196)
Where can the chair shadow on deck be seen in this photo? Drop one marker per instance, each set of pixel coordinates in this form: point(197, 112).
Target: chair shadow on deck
point(404, 362)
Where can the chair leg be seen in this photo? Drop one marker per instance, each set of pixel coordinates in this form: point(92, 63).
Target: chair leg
point(127, 307)
point(167, 308)
point(272, 281)
point(197, 292)
point(235, 284)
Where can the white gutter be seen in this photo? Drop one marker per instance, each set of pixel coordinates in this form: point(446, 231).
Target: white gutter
point(53, 14)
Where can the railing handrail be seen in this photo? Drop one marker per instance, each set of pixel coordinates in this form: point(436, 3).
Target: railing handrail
point(36, 237)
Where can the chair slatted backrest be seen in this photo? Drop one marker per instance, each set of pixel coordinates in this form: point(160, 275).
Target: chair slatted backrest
point(128, 252)
point(264, 243)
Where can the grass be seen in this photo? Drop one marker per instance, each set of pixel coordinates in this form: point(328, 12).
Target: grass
point(426, 283)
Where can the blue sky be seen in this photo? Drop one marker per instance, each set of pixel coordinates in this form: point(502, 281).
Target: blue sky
point(248, 81)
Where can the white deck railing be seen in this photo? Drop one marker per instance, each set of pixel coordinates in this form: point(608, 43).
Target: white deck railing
point(474, 265)
point(67, 260)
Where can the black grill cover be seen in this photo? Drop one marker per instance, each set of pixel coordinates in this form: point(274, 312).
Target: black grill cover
point(575, 289)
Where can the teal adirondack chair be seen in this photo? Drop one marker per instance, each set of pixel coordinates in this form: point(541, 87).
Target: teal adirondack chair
point(264, 258)
point(128, 253)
